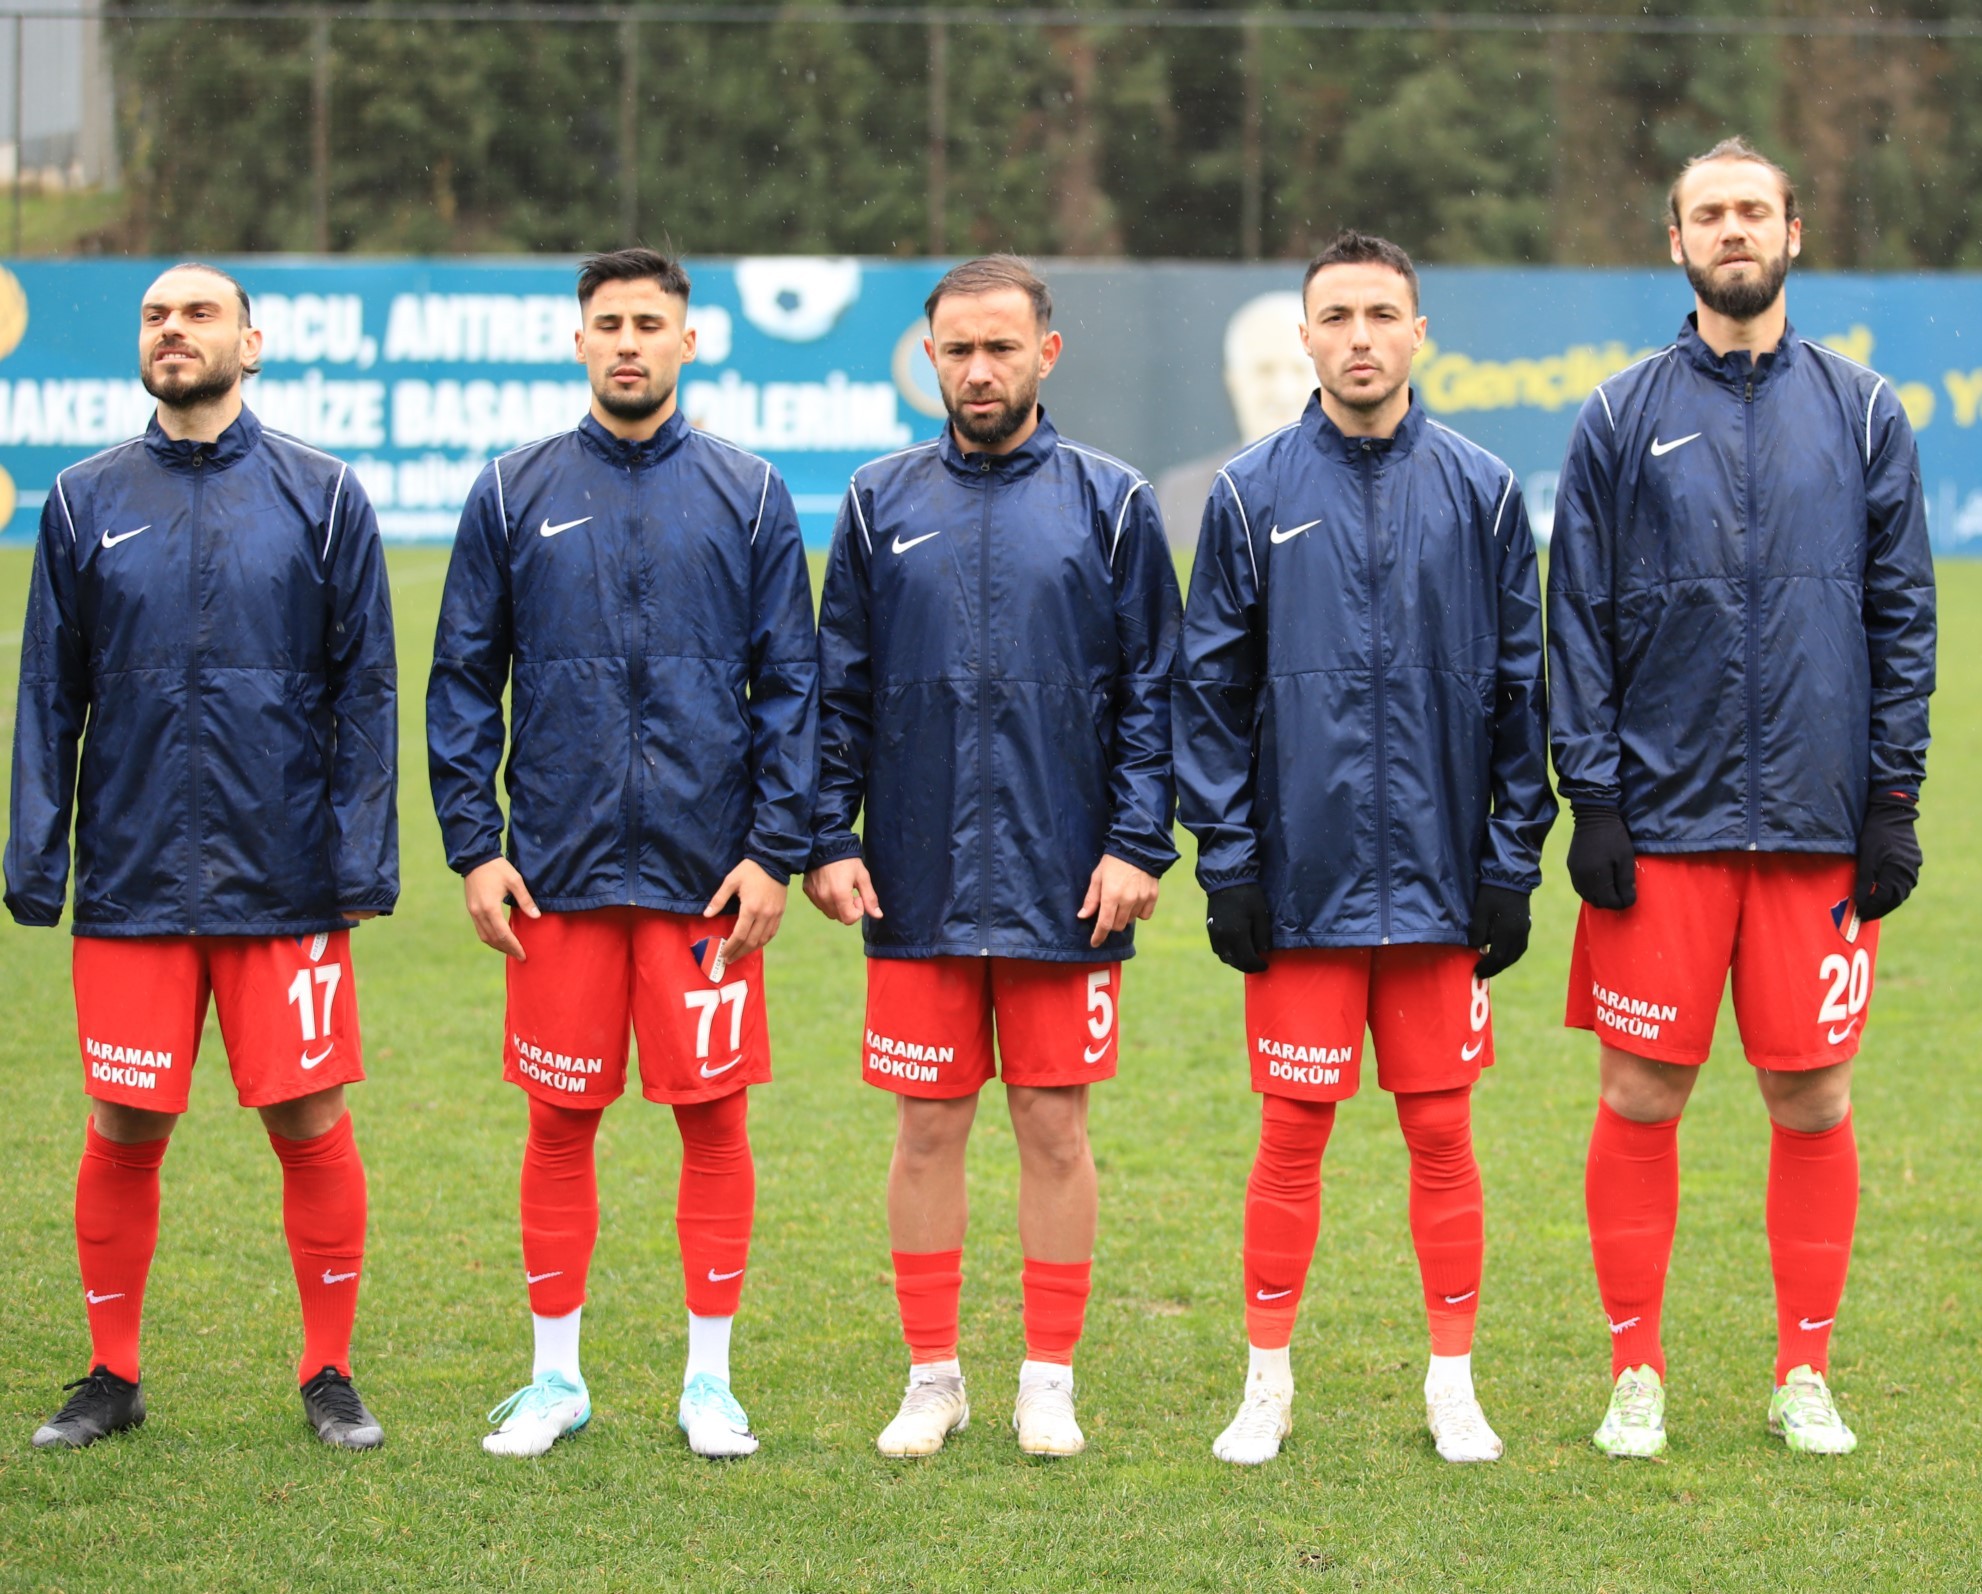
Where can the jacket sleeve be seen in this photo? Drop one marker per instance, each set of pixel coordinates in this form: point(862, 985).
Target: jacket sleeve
point(846, 689)
point(1523, 803)
point(472, 644)
point(48, 726)
point(1582, 663)
point(784, 688)
point(364, 699)
point(1217, 696)
point(1142, 793)
point(1899, 603)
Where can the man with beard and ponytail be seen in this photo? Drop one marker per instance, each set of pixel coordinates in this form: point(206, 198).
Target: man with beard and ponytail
point(996, 636)
point(208, 622)
point(640, 588)
point(1741, 648)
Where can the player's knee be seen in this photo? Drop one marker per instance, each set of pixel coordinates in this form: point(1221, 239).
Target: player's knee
point(932, 1134)
point(1051, 1132)
point(131, 1126)
point(1809, 1102)
point(1642, 1089)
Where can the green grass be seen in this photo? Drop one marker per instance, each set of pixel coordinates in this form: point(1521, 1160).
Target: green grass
point(58, 223)
point(223, 1488)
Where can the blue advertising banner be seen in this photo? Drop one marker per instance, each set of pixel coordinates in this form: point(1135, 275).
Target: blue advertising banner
point(420, 371)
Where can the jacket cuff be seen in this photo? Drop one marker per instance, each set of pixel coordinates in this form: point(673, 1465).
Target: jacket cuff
point(473, 861)
point(833, 851)
point(1148, 862)
point(1525, 884)
point(1224, 879)
point(780, 872)
point(33, 915)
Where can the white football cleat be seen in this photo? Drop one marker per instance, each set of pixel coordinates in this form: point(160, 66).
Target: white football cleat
point(714, 1422)
point(1805, 1417)
point(1458, 1427)
point(932, 1409)
point(1044, 1417)
point(1634, 1427)
point(1266, 1417)
point(539, 1414)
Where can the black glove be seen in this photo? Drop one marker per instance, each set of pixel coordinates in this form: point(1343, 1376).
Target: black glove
point(1499, 931)
point(1602, 865)
point(1241, 926)
point(1888, 857)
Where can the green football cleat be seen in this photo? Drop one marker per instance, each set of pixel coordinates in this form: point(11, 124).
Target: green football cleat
point(1634, 1427)
point(1803, 1414)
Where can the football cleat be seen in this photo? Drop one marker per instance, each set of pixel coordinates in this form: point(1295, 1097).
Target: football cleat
point(1459, 1428)
point(1635, 1424)
point(102, 1404)
point(1044, 1417)
point(1253, 1437)
point(539, 1414)
point(931, 1409)
point(338, 1415)
point(714, 1422)
point(1805, 1417)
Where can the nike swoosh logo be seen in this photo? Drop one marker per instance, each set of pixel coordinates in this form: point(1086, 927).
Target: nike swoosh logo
point(1808, 1327)
point(337, 1278)
point(311, 1062)
point(97, 1300)
point(1277, 535)
point(1454, 1300)
point(903, 547)
point(1468, 1053)
point(1094, 1054)
point(1659, 448)
point(710, 1073)
point(1836, 1035)
point(123, 536)
point(1619, 1328)
point(724, 1278)
point(548, 530)
point(538, 1278)
point(1273, 1295)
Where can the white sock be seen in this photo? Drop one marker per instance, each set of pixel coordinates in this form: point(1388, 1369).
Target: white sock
point(1031, 1372)
point(1272, 1368)
point(923, 1372)
point(708, 1348)
point(1450, 1372)
point(556, 1345)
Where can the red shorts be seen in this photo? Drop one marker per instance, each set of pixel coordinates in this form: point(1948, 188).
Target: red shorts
point(288, 1015)
point(592, 976)
point(930, 1021)
point(1649, 979)
point(1305, 1016)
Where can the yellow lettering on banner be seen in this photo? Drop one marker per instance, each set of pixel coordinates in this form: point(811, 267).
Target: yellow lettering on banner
point(1917, 399)
point(1453, 382)
point(1965, 393)
point(1857, 344)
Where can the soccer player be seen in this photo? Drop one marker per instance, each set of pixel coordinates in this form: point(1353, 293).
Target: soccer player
point(641, 589)
point(210, 601)
point(1741, 641)
point(996, 639)
point(1362, 755)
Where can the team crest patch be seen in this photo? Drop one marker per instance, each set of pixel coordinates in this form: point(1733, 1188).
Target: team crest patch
point(1845, 917)
point(313, 945)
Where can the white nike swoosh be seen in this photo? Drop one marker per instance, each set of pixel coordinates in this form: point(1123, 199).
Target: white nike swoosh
point(1807, 1326)
point(903, 547)
point(1836, 1035)
point(1659, 448)
point(1277, 535)
point(723, 1278)
point(123, 536)
point(97, 1300)
point(1274, 1295)
point(1468, 1053)
point(538, 1278)
point(1619, 1328)
point(710, 1073)
point(1454, 1300)
point(337, 1278)
point(311, 1062)
point(1094, 1054)
point(548, 530)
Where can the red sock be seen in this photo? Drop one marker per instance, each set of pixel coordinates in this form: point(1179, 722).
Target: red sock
point(116, 1234)
point(560, 1199)
point(1631, 1188)
point(1812, 1211)
point(927, 1287)
point(1283, 1214)
point(1055, 1308)
point(1447, 1212)
point(717, 1202)
point(323, 1215)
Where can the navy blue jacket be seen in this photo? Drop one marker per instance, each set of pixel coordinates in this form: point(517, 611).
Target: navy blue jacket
point(997, 636)
point(1741, 600)
point(648, 605)
point(1362, 727)
point(210, 621)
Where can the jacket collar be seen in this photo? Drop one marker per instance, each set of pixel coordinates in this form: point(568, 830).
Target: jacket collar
point(1734, 368)
point(233, 444)
point(635, 455)
point(1332, 440)
point(1021, 461)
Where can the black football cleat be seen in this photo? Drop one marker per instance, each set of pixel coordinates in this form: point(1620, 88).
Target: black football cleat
point(102, 1404)
point(338, 1415)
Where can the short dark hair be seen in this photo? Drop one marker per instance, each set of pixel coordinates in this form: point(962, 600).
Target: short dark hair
point(990, 274)
point(1733, 149)
point(631, 265)
point(241, 293)
point(1351, 248)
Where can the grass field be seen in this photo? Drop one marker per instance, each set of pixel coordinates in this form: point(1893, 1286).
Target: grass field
point(225, 1489)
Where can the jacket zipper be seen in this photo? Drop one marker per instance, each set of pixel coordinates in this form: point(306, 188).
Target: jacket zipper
point(197, 860)
point(637, 685)
point(1382, 706)
point(1753, 639)
point(984, 709)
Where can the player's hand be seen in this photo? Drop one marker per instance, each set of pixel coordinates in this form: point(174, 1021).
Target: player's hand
point(1603, 867)
point(360, 915)
point(760, 908)
point(1118, 893)
point(485, 887)
point(1241, 925)
point(1499, 931)
point(1888, 857)
point(843, 891)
